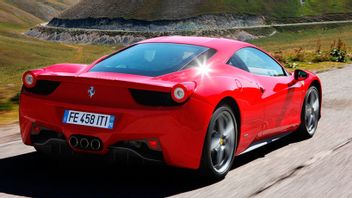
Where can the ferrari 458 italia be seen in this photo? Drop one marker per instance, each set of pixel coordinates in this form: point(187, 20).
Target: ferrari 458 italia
point(191, 102)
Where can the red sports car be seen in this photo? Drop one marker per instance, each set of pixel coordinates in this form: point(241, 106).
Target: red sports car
point(191, 102)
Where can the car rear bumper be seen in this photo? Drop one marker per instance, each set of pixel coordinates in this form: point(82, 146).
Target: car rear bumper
point(60, 148)
point(180, 130)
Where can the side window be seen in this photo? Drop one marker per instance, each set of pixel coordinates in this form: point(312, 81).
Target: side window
point(256, 62)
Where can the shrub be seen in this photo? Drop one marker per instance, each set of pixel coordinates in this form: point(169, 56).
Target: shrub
point(5, 106)
point(278, 55)
point(320, 57)
point(338, 51)
point(292, 65)
point(298, 55)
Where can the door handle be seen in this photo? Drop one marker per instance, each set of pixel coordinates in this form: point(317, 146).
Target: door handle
point(261, 89)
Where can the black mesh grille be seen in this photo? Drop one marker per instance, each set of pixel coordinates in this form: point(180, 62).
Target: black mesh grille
point(152, 98)
point(43, 87)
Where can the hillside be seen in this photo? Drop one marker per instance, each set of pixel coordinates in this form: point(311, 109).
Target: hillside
point(12, 15)
point(151, 10)
point(43, 9)
point(30, 12)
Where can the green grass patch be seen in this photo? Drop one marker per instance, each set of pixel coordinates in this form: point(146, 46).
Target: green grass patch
point(309, 47)
point(306, 38)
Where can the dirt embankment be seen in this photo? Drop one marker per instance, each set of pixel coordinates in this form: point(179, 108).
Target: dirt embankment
point(204, 22)
point(122, 31)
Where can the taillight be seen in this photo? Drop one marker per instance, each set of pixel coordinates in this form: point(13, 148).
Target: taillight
point(29, 79)
point(181, 92)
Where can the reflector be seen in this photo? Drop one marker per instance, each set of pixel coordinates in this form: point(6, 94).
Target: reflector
point(154, 144)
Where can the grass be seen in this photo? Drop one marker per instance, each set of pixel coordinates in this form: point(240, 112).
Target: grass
point(42, 9)
point(306, 38)
point(14, 15)
point(288, 41)
point(9, 117)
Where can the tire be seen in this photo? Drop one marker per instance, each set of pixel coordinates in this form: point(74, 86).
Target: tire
point(219, 145)
point(310, 113)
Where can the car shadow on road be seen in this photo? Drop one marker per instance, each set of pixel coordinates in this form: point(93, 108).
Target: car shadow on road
point(35, 176)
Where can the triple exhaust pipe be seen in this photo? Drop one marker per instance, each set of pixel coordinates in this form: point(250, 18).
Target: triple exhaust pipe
point(85, 143)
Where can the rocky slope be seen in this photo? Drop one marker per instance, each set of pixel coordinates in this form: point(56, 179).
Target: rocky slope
point(152, 10)
point(204, 22)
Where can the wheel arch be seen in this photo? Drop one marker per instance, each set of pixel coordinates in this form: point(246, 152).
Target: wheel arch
point(316, 83)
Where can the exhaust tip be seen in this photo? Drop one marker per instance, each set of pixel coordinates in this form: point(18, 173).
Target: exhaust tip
point(84, 143)
point(95, 144)
point(74, 141)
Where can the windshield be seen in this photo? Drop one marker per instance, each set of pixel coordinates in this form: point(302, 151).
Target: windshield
point(150, 59)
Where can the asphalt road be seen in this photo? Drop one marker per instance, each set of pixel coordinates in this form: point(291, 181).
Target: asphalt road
point(290, 167)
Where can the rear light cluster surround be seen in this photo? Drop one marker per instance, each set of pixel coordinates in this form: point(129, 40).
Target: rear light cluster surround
point(29, 79)
point(178, 95)
point(40, 87)
point(182, 91)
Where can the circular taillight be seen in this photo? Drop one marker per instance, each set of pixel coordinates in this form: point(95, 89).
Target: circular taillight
point(29, 80)
point(179, 93)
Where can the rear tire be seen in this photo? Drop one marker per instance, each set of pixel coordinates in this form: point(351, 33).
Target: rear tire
point(220, 144)
point(310, 113)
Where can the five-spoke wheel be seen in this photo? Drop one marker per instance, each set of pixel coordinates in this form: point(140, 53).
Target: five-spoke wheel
point(220, 144)
point(310, 113)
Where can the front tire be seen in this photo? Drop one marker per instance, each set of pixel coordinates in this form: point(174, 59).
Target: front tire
point(220, 144)
point(310, 113)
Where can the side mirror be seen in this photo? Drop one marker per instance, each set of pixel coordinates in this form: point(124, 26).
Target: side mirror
point(300, 75)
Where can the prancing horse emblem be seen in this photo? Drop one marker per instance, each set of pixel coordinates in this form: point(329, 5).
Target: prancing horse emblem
point(91, 91)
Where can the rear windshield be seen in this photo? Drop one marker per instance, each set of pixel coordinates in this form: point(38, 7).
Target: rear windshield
point(151, 59)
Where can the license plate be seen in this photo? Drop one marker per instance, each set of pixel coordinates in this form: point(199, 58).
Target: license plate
point(89, 119)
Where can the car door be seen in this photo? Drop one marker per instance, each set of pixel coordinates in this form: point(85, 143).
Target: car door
point(279, 92)
point(250, 100)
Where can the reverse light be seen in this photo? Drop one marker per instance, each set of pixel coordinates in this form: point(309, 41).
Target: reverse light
point(29, 79)
point(181, 92)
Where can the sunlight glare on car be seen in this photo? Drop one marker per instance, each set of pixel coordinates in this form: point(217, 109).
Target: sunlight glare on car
point(203, 68)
